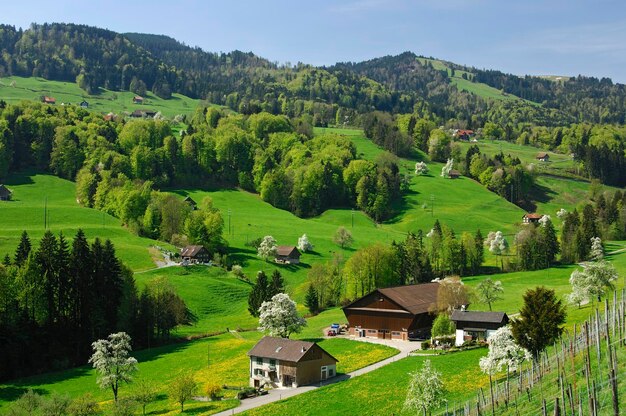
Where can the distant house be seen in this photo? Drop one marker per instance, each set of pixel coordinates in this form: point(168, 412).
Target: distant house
point(110, 117)
point(5, 193)
point(143, 113)
point(48, 100)
point(191, 203)
point(543, 157)
point(195, 254)
point(401, 312)
point(84, 104)
point(287, 255)
point(454, 174)
point(531, 218)
point(137, 99)
point(280, 362)
point(464, 135)
point(479, 326)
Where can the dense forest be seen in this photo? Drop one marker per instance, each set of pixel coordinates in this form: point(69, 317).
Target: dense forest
point(97, 58)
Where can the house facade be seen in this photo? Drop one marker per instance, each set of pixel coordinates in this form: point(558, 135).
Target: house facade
point(543, 157)
point(474, 325)
point(531, 218)
point(189, 201)
point(401, 312)
point(454, 174)
point(137, 99)
point(194, 255)
point(287, 255)
point(280, 362)
point(5, 193)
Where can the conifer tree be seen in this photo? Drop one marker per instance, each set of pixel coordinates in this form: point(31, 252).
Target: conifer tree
point(311, 300)
point(276, 286)
point(258, 294)
point(23, 249)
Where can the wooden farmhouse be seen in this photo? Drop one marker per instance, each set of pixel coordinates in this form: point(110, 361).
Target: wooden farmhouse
point(143, 113)
point(194, 255)
point(137, 99)
point(543, 157)
point(280, 362)
point(5, 193)
point(48, 100)
point(531, 218)
point(401, 312)
point(84, 104)
point(454, 174)
point(287, 255)
point(478, 326)
point(463, 135)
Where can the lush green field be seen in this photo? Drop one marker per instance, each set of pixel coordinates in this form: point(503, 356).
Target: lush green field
point(26, 212)
point(106, 101)
point(382, 392)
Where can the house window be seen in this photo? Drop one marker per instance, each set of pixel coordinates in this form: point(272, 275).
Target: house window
point(272, 362)
point(395, 333)
point(371, 331)
point(259, 360)
point(258, 372)
point(331, 372)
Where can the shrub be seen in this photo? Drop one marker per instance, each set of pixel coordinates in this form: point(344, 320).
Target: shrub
point(425, 345)
point(213, 391)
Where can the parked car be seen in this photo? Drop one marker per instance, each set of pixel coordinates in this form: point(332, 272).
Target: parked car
point(331, 332)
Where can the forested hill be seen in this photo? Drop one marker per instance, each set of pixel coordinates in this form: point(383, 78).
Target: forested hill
point(97, 58)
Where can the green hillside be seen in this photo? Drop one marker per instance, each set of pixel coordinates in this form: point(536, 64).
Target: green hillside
point(14, 89)
point(32, 192)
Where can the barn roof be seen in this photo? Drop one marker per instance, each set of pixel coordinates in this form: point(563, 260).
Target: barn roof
point(477, 316)
point(415, 299)
point(541, 155)
point(287, 251)
point(454, 172)
point(533, 216)
point(283, 349)
point(191, 251)
point(190, 201)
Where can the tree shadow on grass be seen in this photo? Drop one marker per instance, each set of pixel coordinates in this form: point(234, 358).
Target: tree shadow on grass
point(11, 393)
point(241, 256)
point(538, 194)
point(21, 178)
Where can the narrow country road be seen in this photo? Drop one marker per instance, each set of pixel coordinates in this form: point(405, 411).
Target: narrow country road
point(403, 347)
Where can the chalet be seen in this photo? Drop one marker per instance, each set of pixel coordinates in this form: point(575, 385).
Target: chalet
point(402, 312)
point(84, 104)
point(280, 362)
point(287, 255)
point(48, 100)
point(195, 254)
point(454, 174)
point(463, 135)
point(543, 157)
point(137, 99)
point(531, 218)
point(480, 326)
point(191, 203)
point(5, 193)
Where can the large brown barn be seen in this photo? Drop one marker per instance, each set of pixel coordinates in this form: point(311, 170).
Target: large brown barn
point(400, 312)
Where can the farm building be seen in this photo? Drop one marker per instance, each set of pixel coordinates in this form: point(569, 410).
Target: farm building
point(110, 117)
point(401, 312)
point(543, 157)
point(143, 113)
point(195, 254)
point(477, 326)
point(5, 193)
point(454, 174)
point(48, 100)
point(463, 135)
point(191, 202)
point(287, 255)
point(280, 362)
point(84, 104)
point(531, 218)
point(137, 99)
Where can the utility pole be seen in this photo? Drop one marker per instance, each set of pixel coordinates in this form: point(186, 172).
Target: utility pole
point(228, 221)
point(432, 205)
point(352, 217)
point(45, 213)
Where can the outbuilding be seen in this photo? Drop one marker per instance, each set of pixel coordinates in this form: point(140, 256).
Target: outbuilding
point(287, 255)
point(543, 157)
point(5, 193)
point(195, 254)
point(531, 218)
point(280, 362)
point(476, 325)
point(401, 312)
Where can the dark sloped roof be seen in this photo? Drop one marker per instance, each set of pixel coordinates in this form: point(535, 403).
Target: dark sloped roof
point(189, 200)
point(477, 316)
point(4, 191)
point(287, 251)
point(541, 155)
point(283, 349)
point(414, 298)
point(454, 172)
point(191, 251)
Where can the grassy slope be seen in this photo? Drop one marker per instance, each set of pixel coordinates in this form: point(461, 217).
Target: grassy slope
point(106, 101)
point(478, 88)
point(26, 212)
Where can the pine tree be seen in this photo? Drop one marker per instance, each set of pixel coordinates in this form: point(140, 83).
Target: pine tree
point(81, 281)
point(258, 294)
point(311, 300)
point(23, 249)
point(6, 261)
point(549, 242)
point(276, 286)
point(47, 264)
point(64, 289)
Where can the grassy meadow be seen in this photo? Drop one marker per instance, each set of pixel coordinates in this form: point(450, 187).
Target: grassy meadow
point(14, 89)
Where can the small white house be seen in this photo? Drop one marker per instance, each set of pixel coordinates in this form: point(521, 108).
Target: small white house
point(475, 325)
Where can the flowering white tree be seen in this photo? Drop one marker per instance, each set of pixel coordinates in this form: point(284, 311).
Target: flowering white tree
point(279, 317)
point(430, 233)
point(421, 168)
point(497, 244)
point(426, 390)
point(592, 282)
point(544, 220)
point(504, 353)
point(597, 250)
point(445, 170)
point(561, 214)
point(111, 361)
point(267, 248)
point(304, 244)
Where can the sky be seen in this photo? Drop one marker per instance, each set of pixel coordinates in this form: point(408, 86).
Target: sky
point(551, 37)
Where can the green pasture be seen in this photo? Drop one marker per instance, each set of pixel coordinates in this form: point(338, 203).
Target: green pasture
point(105, 101)
point(32, 193)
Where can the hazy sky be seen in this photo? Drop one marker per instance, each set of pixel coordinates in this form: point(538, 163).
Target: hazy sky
point(518, 36)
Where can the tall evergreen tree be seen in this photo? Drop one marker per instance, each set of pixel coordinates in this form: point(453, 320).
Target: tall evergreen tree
point(276, 286)
point(47, 264)
point(23, 249)
point(258, 295)
point(311, 300)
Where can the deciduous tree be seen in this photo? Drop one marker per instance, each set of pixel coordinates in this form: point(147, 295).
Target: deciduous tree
point(426, 390)
point(279, 317)
point(112, 361)
point(489, 291)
